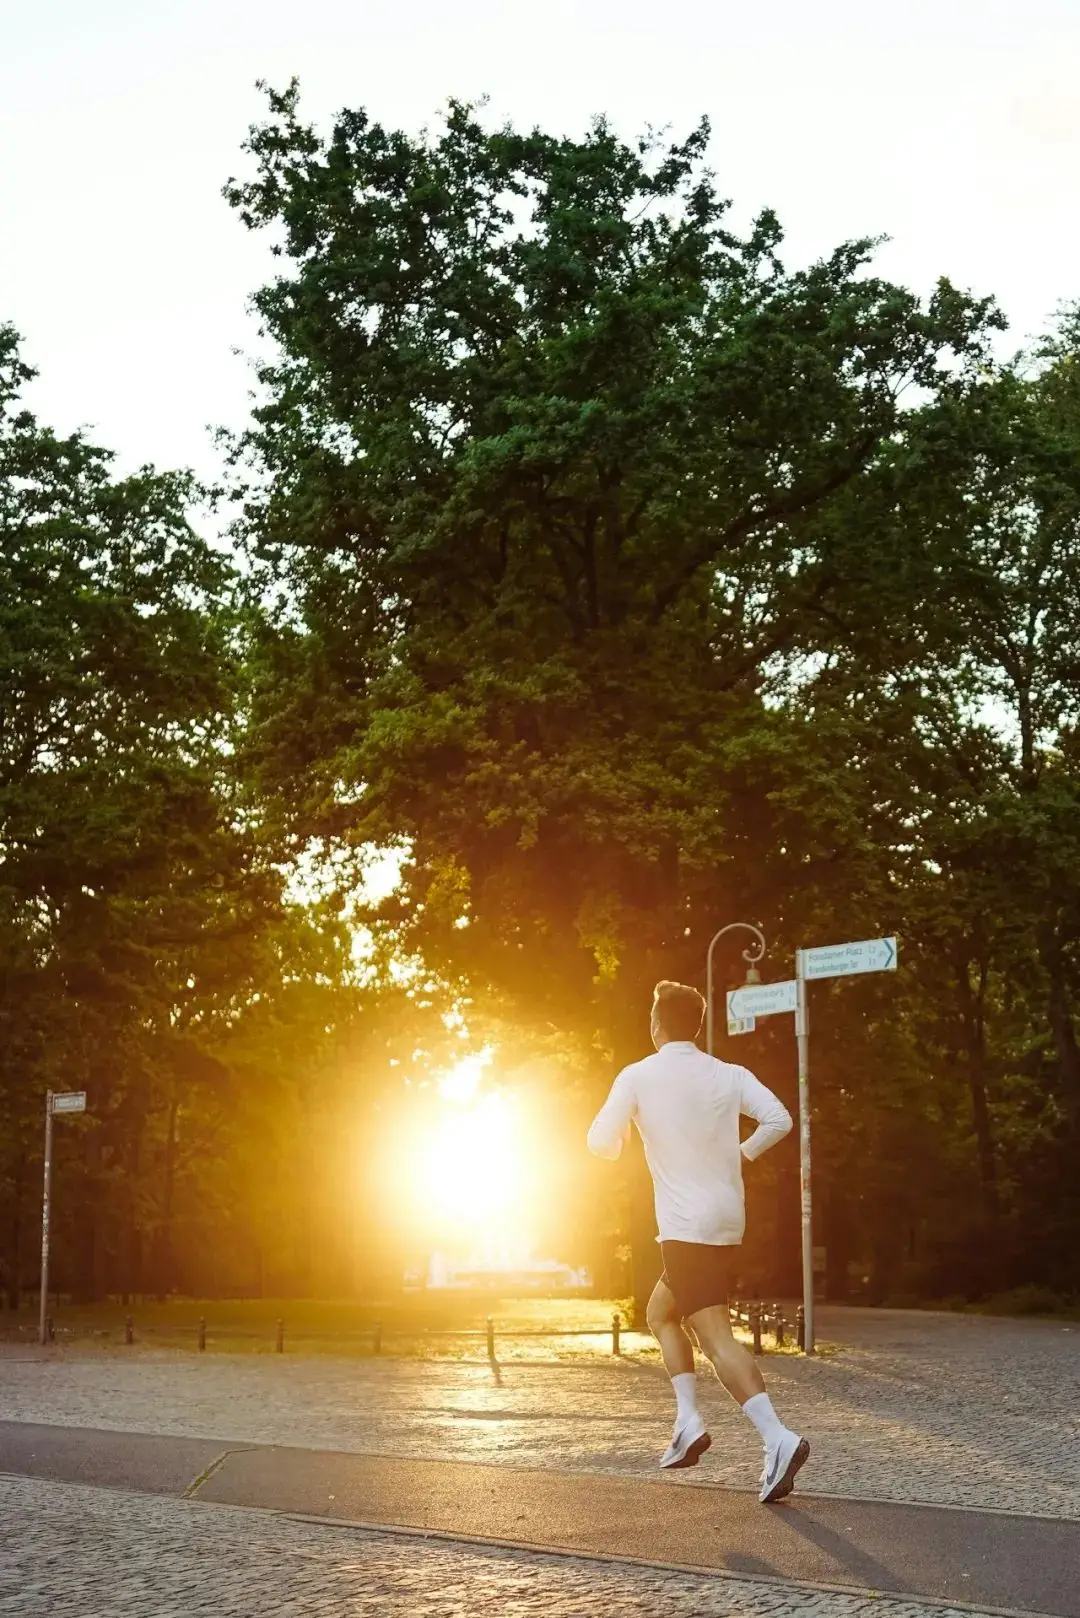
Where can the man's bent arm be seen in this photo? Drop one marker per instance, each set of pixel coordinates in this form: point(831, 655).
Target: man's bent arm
point(773, 1118)
point(611, 1127)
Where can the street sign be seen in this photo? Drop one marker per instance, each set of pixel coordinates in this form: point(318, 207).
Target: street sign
point(843, 960)
point(71, 1101)
point(741, 1025)
point(760, 1000)
point(827, 961)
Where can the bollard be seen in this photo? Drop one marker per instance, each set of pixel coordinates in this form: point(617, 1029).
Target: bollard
point(279, 1346)
point(376, 1339)
point(779, 1327)
point(616, 1330)
point(755, 1325)
point(491, 1340)
point(202, 1335)
point(129, 1331)
point(800, 1327)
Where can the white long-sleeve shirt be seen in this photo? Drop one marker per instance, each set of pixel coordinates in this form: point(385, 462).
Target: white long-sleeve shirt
point(687, 1106)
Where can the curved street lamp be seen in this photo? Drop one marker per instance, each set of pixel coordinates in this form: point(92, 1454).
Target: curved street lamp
point(751, 956)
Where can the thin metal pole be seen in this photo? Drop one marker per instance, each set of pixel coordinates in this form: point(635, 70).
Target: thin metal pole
point(750, 956)
point(802, 1034)
point(46, 1216)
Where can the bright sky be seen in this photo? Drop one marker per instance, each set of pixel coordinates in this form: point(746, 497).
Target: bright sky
point(951, 125)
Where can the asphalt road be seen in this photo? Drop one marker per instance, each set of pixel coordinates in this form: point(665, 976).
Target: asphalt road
point(985, 1559)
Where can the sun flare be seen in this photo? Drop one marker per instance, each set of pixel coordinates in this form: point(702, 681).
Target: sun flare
point(463, 1080)
point(471, 1167)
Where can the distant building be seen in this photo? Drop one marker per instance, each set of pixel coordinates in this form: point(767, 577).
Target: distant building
point(499, 1272)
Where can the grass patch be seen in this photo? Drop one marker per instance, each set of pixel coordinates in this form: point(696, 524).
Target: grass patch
point(425, 1327)
point(1032, 1302)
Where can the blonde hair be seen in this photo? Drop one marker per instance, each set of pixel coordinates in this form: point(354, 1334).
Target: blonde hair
point(679, 1010)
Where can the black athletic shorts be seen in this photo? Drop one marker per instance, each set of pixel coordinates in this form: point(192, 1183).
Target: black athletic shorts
point(698, 1276)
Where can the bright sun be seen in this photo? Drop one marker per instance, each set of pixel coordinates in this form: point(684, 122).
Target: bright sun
point(470, 1166)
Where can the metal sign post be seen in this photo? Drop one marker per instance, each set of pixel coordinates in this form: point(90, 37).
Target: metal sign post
point(802, 1040)
point(71, 1101)
point(766, 1000)
point(751, 956)
point(46, 1213)
point(827, 961)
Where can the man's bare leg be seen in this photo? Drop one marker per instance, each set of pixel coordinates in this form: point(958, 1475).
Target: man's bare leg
point(785, 1451)
point(663, 1321)
point(690, 1439)
point(733, 1364)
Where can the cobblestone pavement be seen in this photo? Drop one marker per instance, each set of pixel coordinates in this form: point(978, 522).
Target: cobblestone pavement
point(70, 1550)
point(939, 1409)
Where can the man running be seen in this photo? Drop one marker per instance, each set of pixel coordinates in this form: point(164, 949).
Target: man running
point(687, 1106)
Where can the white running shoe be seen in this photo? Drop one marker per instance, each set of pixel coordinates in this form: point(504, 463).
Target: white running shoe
point(783, 1462)
point(688, 1445)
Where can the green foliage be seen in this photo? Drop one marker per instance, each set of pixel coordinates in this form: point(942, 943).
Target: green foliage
point(639, 582)
point(561, 474)
point(624, 581)
point(147, 951)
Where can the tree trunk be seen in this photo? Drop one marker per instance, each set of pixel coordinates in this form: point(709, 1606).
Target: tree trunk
point(14, 1274)
point(886, 1256)
point(163, 1263)
point(14, 1291)
point(984, 1140)
point(973, 1013)
point(836, 1227)
point(133, 1260)
point(88, 1280)
point(133, 1242)
point(1060, 1016)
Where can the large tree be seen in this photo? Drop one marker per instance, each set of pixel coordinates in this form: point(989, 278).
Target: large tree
point(560, 479)
point(559, 473)
point(141, 906)
point(962, 726)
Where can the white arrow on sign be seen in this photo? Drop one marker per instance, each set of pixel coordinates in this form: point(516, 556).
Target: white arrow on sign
point(761, 1000)
point(71, 1101)
point(843, 960)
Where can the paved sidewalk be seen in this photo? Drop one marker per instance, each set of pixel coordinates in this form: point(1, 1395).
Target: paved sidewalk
point(941, 1409)
point(915, 1552)
point(69, 1551)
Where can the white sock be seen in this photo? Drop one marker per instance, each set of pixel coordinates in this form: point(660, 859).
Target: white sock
point(685, 1386)
point(760, 1411)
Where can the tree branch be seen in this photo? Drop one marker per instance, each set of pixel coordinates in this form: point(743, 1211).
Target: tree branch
point(789, 505)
